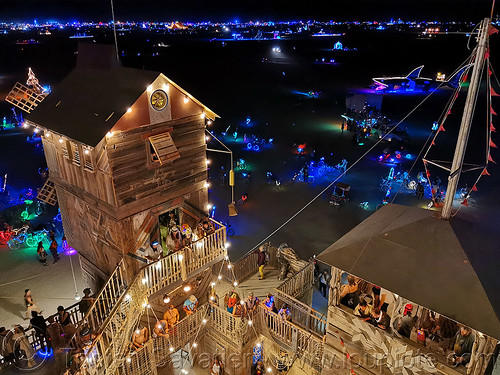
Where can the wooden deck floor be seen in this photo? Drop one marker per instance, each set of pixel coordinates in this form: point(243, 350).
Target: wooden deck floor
point(260, 288)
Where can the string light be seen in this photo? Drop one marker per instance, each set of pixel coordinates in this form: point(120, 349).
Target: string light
point(129, 359)
point(208, 161)
point(36, 130)
point(144, 304)
point(86, 152)
point(181, 257)
point(219, 277)
point(209, 122)
point(227, 244)
point(187, 288)
point(212, 284)
point(186, 99)
point(195, 344)
point(229, 266)
point(129, 109)
point(269, 369)
point(109, 134)
point(171, 348)
point(207, 185)
point(150, 88)
point(25, 125)
point(77, 297)
point(207, 138)
point(204, 321)
point(47, 135)
point(235, 283)
point(127, 297)
point(203, 115)
point(250, 322)
point(60, 140)
point(148, 306)
point(209, 206)
point(166, 299)
point(137, 331)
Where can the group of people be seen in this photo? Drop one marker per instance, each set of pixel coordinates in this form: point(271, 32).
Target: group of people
point(175, 236)
point(369, 305)
point(57, 334)
point(42, 253)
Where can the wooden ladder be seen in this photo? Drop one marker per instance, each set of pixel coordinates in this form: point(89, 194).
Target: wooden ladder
point(48, 193)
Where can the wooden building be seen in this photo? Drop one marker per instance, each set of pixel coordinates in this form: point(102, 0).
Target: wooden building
point(123, 147)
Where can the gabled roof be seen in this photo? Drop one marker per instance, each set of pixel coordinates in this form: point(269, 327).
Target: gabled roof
point(88, 102)
point(450, 267)
point(81, 105)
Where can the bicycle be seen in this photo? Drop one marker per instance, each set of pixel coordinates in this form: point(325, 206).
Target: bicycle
point(32, 239)
point(229, 230)
point(20, 235)
point(364, 205)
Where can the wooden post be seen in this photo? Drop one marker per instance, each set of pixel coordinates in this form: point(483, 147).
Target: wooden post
point(182, 260)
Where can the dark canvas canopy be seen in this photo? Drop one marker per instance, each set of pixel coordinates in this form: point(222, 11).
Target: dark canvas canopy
point(450, 267)
point(88, 102)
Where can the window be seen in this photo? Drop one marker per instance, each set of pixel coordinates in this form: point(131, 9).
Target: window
point(87, 159)
point(162, 149)
point(76, 153)
point(65, 150)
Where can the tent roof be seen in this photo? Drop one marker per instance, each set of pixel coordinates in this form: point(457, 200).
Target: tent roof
point(447, 266)
point(88, 102)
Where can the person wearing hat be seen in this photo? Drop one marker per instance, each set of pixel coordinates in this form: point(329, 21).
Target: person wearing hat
point(251, 304)
point(190, 305)
point(154, 251)
point(261, 260)
point(176, 238)
point(405, 324)
point(86, 302)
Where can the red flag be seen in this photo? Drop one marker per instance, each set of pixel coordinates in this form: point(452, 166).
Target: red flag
point(492, 30)
point(441, 128)
point(465, 202)
point(489, 72)
point(492, 111)
point(492, 128)
point(352, 372)
point(474, 188)
point(491, 159)
point(487, 54)
point(449, 113)
point(428, 174)
point(347, 355)
point(492, 144)
point(425, 162)
point(432, 143)
point(433, 192)
point(341, 342)
point(493, 92)
point(485, 172)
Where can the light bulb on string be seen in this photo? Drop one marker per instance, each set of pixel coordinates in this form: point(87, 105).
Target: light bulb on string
point(219, 277)
point(77, 297)
point(129, 359)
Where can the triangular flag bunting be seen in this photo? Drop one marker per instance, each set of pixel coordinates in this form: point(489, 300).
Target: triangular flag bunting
point(485, 172)
point(492, 92)
point(492, 30)
point(492, 128)
point(432, 143)
point(449, 113)
point(341, 342)
point(487, 54)
point(465, 203)
point(348, 356)
point(352, 372)
point(474, 188)
point(489, 72)
point(492, 111)
point(492, 144)
point(491, 159)
point(441, 128)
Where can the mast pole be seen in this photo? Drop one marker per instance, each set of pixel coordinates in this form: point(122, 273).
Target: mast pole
point(463, 135)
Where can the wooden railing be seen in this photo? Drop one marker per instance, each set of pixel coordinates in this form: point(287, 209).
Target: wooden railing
point(247, 266)
point(307, 346)
point(105, 300)
point(236, 330)
point(206, 249)
point(108, 351)
point(303, 315)
point(299, 283)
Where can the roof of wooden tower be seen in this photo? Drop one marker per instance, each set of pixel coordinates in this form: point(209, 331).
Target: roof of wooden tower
point(88, 102)
point(450, 267)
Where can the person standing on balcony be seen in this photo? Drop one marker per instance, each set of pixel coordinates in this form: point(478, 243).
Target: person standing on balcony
point(55, 332)
point(190, 305)
point(63, 316)
point(324, 280)
point(139, 337)
point(171, 316)
point(261, 261)
point(251, 304)
point(153, 252)
point(37, 322)
point(42, 254)
point(161, 329)
point(53, 250)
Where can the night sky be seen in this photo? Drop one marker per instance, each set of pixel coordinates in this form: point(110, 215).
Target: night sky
point(243, 10)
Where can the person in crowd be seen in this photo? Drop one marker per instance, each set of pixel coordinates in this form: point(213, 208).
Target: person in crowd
point(172, 220)
point(420, 190)
point(154, 251)
point(161, 328)
point(378, 299)
point(363, 310)
point(305, 170)
point(190, 305)
point(324, 281)
point(86, 302)
point(171, 316)
point(63, 316)
point(42, 254)
point(72, 335)
point(381, 319)
point(231, 301)
point(53, 250)
point(258, 369)
point(52, 235)
point(349, 293)
point(426, 327)
point(187, 235)
point(23, 344)
point(405, 324)
point(205, 228)
point(446, 329)
point(285, 312)
point(238, 309)
point(282, 362)
point(7, 345)
point(40, 327)
point(176, 239)
point(462, 346)
point(251, 304)
point(261, 260)
point(55, 332)
point(213, 298)
point(29, 303)
point(268, 303)
point(216, 367)
point(139, 337)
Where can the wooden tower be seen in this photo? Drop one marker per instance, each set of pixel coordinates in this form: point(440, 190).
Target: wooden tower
point(123, 147)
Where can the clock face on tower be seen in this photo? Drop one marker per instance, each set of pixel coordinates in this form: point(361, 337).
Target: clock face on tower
point(159, 100)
